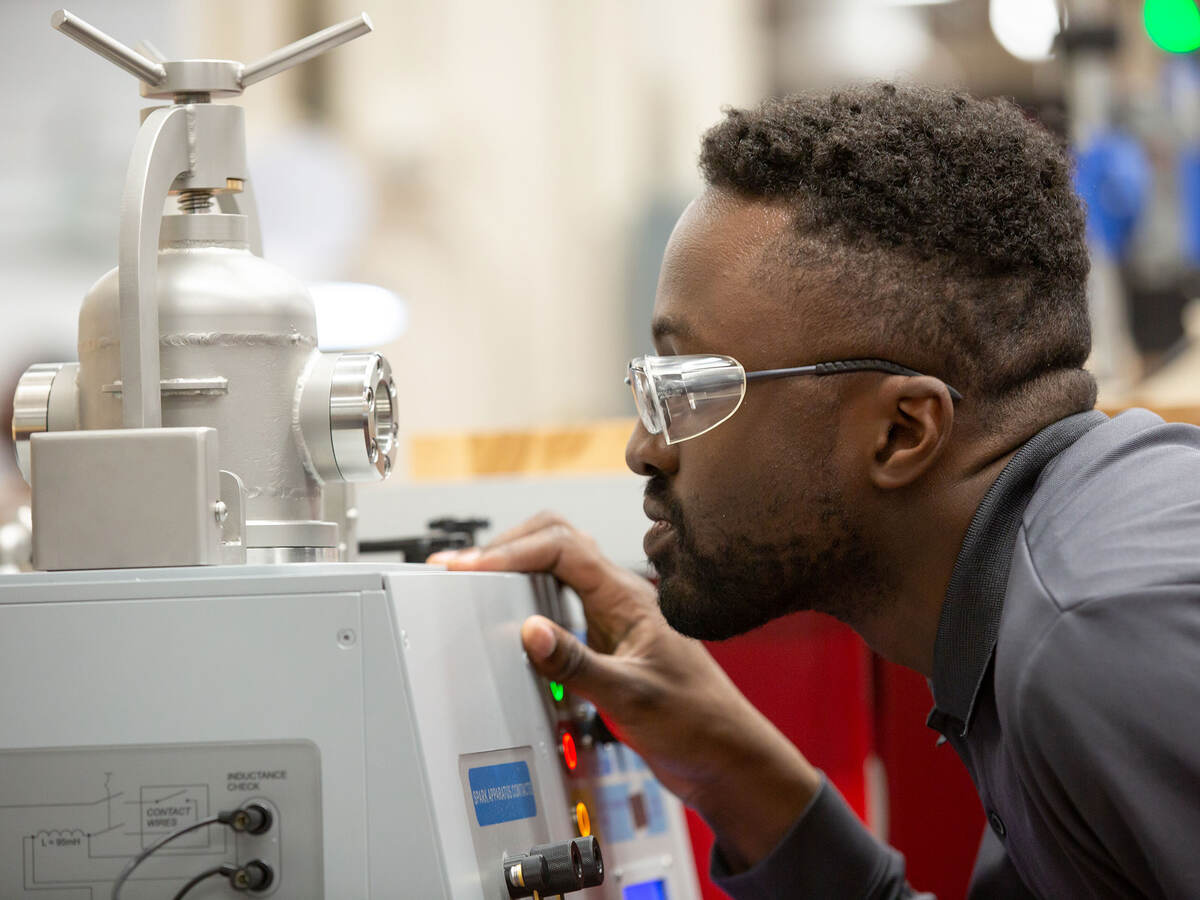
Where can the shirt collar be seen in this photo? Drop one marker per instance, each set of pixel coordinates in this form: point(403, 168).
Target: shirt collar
point(970, 618)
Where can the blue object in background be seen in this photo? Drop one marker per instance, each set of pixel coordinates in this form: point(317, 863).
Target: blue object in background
point(624, 757)
point(656, 809)
point(604, 759)
point(647, 890)
point(616, 818)
point(1189, 203)
point(1113, 178)
point(639, 764)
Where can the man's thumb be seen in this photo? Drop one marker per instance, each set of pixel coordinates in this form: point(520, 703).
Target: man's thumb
point(557, 654)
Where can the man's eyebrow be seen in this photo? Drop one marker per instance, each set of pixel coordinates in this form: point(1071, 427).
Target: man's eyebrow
point(661, 328)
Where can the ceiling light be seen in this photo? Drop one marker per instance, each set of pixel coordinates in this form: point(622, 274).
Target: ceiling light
point(1025, 28)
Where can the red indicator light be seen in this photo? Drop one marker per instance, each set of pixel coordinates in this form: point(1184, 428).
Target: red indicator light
point(570, 757)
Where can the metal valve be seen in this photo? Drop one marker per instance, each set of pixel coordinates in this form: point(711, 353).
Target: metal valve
point(193, 149)
point(202, 79)
point(194, 331)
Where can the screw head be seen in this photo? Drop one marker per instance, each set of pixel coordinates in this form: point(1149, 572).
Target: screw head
point(347, 638)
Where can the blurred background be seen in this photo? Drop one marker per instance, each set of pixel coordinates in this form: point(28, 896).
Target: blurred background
point(483, 191)
point(508, 173)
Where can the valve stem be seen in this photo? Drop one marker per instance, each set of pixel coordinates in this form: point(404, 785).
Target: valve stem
point(199, 201)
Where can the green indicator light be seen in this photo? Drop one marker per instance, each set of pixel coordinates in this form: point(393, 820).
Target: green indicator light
point(557, 691)
point(1173, 24)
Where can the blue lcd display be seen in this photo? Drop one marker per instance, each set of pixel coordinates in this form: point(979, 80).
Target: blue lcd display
point(646, 890)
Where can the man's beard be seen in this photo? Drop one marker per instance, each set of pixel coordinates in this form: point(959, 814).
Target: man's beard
point(742, 583)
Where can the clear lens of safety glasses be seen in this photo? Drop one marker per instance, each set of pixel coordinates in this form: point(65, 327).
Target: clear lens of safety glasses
point(685, 396)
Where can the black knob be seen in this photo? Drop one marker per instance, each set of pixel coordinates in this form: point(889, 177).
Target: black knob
point(524, 874)
point(593, 862)
point(596, 729)
point(468, 527)
point(546, 869)
point(565, 864)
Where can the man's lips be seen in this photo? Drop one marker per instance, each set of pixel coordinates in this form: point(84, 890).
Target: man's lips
point(661, 530)
point(657, 535)
point(654, 511)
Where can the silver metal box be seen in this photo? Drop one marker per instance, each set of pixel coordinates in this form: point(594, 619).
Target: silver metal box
point(125, 498)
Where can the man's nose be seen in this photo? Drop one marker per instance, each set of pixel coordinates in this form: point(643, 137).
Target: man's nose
point(648, 454)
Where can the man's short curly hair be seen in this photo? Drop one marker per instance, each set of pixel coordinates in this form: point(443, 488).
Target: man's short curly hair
point(948, 225)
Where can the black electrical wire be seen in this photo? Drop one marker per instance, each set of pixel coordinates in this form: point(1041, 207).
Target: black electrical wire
point(225, 818)
point(225, 870)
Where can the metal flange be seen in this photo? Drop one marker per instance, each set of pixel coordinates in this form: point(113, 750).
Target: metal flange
point(347, 417)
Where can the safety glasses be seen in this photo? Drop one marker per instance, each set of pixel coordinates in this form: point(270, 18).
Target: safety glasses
point(683, 397)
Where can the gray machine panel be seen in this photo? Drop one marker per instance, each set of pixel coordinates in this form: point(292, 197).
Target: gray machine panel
point(473, 691)
point(504, 814)
point(394, 678)
point(71, 818)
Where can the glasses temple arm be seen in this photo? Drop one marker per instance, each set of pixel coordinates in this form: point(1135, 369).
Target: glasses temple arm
point(842, 366)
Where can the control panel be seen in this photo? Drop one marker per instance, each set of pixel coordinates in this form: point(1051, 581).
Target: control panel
point(310, 731)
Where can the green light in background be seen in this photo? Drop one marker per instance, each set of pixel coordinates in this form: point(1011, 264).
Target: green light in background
point(557, 691)
point(1173, 24)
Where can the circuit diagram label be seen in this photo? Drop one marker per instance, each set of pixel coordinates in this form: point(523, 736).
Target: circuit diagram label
point(71, 819)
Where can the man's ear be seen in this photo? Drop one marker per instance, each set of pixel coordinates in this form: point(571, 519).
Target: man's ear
point(911, 419)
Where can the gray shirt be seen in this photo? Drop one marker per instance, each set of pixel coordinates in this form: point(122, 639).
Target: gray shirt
point(1066, 676)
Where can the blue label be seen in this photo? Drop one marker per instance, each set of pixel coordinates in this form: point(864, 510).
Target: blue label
point(502, 793)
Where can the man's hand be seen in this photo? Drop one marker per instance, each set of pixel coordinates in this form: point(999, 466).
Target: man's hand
point(662, 693)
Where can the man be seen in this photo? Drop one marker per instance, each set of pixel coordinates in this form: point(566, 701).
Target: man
point(945, 487)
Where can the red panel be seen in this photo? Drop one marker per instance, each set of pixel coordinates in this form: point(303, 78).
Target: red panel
point(935, 817)
point(702, 841)
point(812, 677)
point(817, 681)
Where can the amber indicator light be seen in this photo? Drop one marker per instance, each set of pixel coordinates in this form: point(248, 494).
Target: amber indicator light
point(583, 820)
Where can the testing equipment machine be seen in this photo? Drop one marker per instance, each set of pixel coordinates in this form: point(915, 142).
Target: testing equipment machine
point(199, 693)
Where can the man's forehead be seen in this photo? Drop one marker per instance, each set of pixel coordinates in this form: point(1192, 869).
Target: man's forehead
point(712, 272)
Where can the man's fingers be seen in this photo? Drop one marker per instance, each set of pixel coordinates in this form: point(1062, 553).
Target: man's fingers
point(559, 656)
point(555, 549)
point(614, 599)
point(457, 558)
point(544, 519)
